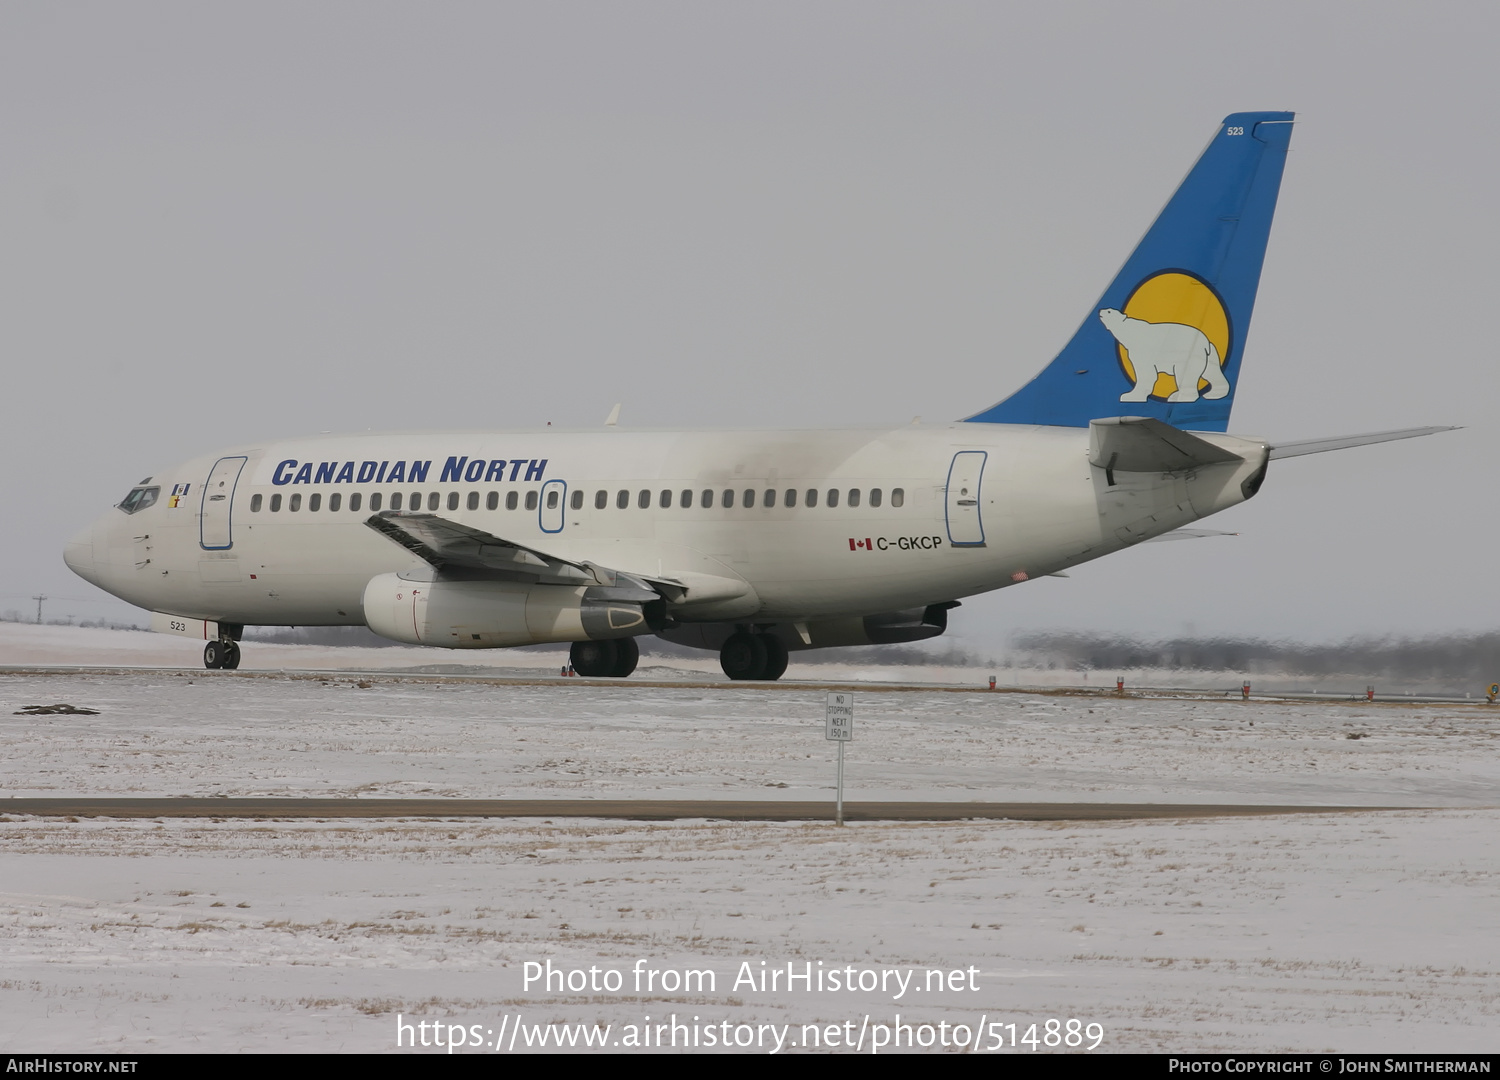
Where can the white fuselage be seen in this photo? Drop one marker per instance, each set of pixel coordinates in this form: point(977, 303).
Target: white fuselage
point(962, 508)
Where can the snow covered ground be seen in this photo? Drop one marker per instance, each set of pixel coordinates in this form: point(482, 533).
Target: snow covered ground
point(1373, 932)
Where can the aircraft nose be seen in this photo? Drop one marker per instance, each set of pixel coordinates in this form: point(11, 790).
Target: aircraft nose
point(80, 557)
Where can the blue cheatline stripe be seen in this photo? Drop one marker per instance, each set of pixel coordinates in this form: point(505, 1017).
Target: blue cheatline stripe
point(1214, 232)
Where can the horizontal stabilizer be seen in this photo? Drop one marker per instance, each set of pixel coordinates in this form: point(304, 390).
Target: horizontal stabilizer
point(1141, 444)
point(1343, 442)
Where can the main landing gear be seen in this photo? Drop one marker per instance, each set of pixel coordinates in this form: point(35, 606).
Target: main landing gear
point(221, 654)
point(613, 658)
point(753, 656)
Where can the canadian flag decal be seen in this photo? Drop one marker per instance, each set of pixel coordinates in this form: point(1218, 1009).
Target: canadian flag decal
point(857, 545)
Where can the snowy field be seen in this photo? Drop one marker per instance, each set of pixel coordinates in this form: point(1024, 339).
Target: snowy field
point(1373, 931)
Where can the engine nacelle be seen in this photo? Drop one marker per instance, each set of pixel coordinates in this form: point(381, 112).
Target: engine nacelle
point(484, 614)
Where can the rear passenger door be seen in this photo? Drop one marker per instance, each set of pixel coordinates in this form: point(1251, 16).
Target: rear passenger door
point(965, 520)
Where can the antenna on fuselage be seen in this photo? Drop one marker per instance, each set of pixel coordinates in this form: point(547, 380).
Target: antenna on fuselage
point(614, 416)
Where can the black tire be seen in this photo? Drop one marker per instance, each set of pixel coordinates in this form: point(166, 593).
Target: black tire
point(776, 657)
point(594, 659)
point(743, 657)
point(213, 655)
point(231, 655)
point(627, 655)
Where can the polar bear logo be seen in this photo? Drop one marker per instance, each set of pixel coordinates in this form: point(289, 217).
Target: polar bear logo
point(1183, 352)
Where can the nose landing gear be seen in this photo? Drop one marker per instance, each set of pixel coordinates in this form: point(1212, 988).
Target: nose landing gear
point(224, 653)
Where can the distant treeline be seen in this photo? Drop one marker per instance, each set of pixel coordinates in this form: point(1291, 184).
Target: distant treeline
point(13, 615)
point(1469, 657)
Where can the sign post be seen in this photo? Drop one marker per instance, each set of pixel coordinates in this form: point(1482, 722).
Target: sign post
point(839, 728)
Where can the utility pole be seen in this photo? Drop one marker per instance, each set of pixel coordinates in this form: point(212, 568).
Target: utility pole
point(39, 598)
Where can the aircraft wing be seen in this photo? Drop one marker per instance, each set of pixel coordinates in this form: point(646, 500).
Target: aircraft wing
point(1342, 442)
point(447, 544)
point(1188, 534)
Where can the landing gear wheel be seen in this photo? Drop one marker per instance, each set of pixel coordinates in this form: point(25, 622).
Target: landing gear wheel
point(231, 655)
point(776, 657)
point(594, 659)
point(213, 655)
point(744, 656)
point(627, 655)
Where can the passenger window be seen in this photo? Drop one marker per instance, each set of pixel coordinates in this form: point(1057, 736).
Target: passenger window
point(874, 496)
point(473, 500)
point(833, 497)
point(643, 499)
point(898, 497)
point(492, 501)
point(706, 500)
point(334, 502)
point(854, 496)
point(452, 500)
point(728, 500)
point(601, 500)
point(395, 500)
point(510, 500)
point(434, 497)
point(577, 500)
point(314, 502)
point(531, 500)
point(552, 499)
point(622, 500)
point(354, 501)
point(295, 503)
point(664, 500)
point(789, 497)
point(685, 499)
point(769, 498)
point(276, 503)
point(375, 500)
point(255, 504)
point(812, 496)
point(749, 500)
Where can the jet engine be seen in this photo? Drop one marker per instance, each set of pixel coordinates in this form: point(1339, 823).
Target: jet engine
point(489, 614)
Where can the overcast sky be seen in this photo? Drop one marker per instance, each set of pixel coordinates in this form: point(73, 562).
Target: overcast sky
point(226, 223)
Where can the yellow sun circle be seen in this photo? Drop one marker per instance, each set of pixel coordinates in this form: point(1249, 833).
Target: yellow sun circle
point(1177, 298)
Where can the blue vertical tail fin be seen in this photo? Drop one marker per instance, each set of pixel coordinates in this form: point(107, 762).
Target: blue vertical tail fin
point(1165, 339)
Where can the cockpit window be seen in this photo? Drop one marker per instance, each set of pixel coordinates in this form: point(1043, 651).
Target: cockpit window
point(139, 498)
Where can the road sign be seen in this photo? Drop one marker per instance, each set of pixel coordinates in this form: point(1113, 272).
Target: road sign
point(839, 728)
point(840, 721)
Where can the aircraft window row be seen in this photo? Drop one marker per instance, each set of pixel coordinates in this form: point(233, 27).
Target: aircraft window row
point(140, 498)
point(750, 497)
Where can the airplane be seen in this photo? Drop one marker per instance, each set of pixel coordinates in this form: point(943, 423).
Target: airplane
point(754, 544)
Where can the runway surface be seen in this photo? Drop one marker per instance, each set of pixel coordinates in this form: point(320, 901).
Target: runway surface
point(646, 809)
point(292, 861)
